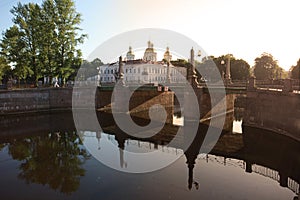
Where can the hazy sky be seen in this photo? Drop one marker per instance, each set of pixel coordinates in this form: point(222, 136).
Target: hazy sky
point(244, 28)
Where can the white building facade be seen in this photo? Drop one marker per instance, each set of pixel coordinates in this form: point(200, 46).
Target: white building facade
point(144, 71)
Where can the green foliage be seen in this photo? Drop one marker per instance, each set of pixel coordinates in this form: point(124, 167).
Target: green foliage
point(266, 68)
point(216, 67)
point(239, 69)
point(295, 71)
point(4, 68)
point(181, 63)
point(43, 40)
point(209, 70)
point(89, 69)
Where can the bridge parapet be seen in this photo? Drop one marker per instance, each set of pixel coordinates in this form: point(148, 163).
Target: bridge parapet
point(274, 109)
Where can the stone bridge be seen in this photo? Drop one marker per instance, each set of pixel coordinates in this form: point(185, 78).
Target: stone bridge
point(273, 109)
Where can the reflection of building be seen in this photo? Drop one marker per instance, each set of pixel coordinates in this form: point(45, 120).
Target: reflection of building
point(146, 70)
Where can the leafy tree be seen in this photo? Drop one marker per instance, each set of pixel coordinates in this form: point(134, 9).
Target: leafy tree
point(180, 63)
point(26, 20)
point(14, 52)
point(44, 39)
point(239, 69)
point(295, 71)
point(208, 67)
point(66, 22)
point(4, 68)
point(48, 41)
point(266, 67)
point(89, 69)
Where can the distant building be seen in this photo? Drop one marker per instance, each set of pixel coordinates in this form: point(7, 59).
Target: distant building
point(150, 54)
point(167, 55)
point(130, 55)
point(146, 70)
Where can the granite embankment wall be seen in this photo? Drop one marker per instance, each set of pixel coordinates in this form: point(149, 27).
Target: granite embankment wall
point(273, 110)
point(32, 100)
point(44, 99)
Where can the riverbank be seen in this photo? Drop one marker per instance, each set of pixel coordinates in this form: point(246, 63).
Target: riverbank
point(35, 100)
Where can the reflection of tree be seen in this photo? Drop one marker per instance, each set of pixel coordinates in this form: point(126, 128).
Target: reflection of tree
point(53, 159)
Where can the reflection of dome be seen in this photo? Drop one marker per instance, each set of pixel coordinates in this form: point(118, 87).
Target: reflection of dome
point(130, 55)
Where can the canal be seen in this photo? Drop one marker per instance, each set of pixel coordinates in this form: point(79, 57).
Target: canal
point(44, 156)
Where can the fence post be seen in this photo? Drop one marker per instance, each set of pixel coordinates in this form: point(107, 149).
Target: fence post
point(252, 84)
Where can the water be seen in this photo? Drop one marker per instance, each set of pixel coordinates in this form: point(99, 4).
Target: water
point(41, 156)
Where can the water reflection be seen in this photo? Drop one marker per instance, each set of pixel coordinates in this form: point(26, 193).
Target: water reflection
point(53, 159)
point(58, 159)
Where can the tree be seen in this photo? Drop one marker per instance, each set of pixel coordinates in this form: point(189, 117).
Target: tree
point(14, 52)
point(44, 39)
point(211, 68)
point(239, 69)
point(4, 68)
point(48, 41)
point(295, 71)
point(89, 69)
point(266, 67)
point(26, 20)
point(66, 22)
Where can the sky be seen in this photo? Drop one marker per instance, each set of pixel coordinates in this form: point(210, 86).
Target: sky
point(243, 28)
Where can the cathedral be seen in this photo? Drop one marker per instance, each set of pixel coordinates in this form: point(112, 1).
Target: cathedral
point(145, 70)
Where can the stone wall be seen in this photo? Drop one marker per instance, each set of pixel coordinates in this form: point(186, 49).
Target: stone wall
point(273, 110)
point(33, 100)
point(24, 100)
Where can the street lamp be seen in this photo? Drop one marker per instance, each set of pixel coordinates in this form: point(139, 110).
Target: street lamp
point(223, 72)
